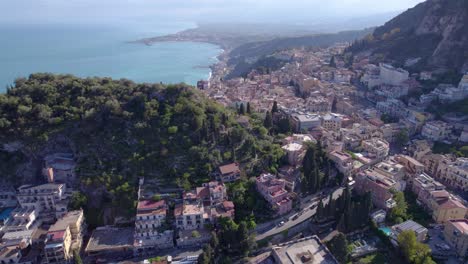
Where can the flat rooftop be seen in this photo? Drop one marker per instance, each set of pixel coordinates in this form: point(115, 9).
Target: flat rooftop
point(308, 251)
point(107, 238)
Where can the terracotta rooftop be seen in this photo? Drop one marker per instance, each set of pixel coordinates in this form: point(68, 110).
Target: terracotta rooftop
point(461, 225)
point(150, 205)
point(229, 168)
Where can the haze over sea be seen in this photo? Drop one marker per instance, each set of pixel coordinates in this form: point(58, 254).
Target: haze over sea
point(102, 50)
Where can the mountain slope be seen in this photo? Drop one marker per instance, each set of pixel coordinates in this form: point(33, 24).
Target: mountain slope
point(435, 31)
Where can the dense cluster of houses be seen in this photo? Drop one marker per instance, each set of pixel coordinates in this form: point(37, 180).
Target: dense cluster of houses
point(35, 224)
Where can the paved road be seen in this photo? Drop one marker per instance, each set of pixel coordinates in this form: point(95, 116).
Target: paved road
point(306, 212)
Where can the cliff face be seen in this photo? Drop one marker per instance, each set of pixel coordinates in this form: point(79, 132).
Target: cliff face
point(435, 31)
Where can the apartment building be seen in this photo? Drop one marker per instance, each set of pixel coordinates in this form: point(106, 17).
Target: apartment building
point(273, 190)
point(391, 75)
point(453, 173)
point(58, 245)
point(332, 122)
point(419, 230)
point(436, 130)
point(376, 148)
point(379, 186)
point(295, 148)
point(21, 219)
point(456, 234)
point(7, 196)
point(48, 199)
point(343, 161)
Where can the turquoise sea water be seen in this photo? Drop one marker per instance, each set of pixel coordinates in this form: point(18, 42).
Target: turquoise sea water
point(97, 50)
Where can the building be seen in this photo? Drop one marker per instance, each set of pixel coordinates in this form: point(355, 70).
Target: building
point(318, 104)
point(442, 205)
point(391, 131)
point(308, 250)
point(376, 148)
point(419, 230)
point(110, 243)
point(230, 172)
point(424, 182)
point(392, 107)
point(58, 246)
point(203, 85)
point(391, 75)
point(343, 161)
point(190, 216)
point(378, 216)
point(379, 186)
point(411, 165)
point(332, 122)
point(436, 130)
point(453, 173)
point(273, 190)
point(21, 219)
point(60, 167)
point(456, 234)
point(149, 236)
point(64, 237)
point(393, 170)
point(295, 148)
point(305, 122)
point(48, 199)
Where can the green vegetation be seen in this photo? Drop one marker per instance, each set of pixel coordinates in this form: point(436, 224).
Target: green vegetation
point(440, 109)
point(120, 131)
point(78, 201)
point(351, 212)
point(407, 208)
point(415, 211)
point(316, 167)
point(414, 251)
point(339, 248)
point(398, 214)
point(247, 200)
point(457, 150)
point(229, 241)
point(387, 119)
point(76, 257)
point(377, 258)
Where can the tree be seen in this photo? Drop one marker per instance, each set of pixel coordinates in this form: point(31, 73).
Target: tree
point(414, 251)
point(242, 109)
point(268, 122)
point(339, 248)
point(249, 111)
point(77, 201)
point(77, 257)
point(274, 109)
point(399, 213)
point(402, 137)
point(332, 62)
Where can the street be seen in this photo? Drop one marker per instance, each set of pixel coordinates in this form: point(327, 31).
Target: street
point(272, 228)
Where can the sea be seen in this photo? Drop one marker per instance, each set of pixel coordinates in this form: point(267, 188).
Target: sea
point(104, 51)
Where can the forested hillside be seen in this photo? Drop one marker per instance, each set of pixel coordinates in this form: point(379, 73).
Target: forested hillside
point(119, 131)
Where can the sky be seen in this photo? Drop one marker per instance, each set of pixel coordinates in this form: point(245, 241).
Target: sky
point(281, 11)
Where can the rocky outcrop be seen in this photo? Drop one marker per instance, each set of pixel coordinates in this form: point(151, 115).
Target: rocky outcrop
point(435, 31)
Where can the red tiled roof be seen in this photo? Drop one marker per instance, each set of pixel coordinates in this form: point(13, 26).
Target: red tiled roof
point(56, 235)
point(228, 204)
point(150, 205)
point(450, 204)
point(230, 168)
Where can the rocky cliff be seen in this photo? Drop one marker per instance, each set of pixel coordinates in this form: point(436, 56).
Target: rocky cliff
point(435, 32)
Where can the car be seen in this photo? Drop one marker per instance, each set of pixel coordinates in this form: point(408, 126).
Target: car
point(281, 223)
point(295, 217)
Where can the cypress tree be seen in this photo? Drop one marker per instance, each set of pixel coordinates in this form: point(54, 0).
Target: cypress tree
point(274, 109)
point(268, 123)
point(242, 109)
point(248, 108)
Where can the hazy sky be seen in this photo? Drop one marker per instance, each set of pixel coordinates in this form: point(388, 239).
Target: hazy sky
point(294, 11)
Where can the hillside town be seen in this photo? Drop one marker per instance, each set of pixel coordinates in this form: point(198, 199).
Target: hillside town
point(378, 140)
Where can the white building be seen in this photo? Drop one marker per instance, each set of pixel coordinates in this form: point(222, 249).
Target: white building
point(436, 130)
point(391, 75)
point(376, 147)
point(47, 199)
